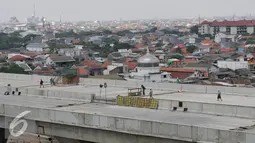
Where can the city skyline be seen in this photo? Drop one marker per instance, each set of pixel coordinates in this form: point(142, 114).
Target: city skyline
point(77, 10)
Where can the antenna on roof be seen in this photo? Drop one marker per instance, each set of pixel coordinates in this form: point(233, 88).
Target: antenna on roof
point(234, 17)
point(148, 51)
point(34, 10)
point(199, 19)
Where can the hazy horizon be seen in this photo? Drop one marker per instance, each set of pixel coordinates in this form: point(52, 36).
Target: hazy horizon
point(76, 10)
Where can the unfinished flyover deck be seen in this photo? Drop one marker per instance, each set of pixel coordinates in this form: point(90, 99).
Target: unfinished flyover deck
point(142, 122)
point(93, 121)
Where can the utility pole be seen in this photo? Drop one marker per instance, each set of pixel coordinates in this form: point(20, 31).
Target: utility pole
point(60, 18)
point(34, 10)
point(105, 87)
point(199, 19)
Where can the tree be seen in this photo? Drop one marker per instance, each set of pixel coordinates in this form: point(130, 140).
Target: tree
point(206, 35)
point(13, 68)
point(179, 50)
point(250, 41)
point(118, 46)
point(159, 44)
point(123, 33)
point(246, 34)
point(191, 49)
point(70, 33)
point(194, 29)
point(105, 31)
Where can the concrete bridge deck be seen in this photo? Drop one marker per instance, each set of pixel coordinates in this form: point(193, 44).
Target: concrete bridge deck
point(207, 120)
point(209, 98)
point(144, 122)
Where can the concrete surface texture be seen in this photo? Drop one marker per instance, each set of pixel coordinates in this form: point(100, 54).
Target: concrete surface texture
point(34, 79)
point(31, 138)
point(209, 98)
point(67, 111)
point(144, 122)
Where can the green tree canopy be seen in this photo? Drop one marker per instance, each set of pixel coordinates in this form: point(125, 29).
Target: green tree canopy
point(179, 50)
point(194, 29)
point(13, 68)
point(70, 33)
point(246, 34)
point(159, 44)
point(191, 49)
point(250, 41)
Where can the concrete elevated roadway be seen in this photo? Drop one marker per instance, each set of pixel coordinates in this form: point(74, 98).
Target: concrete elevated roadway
point(103, 123)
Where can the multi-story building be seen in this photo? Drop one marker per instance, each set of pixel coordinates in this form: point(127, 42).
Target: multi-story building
point(227, 27)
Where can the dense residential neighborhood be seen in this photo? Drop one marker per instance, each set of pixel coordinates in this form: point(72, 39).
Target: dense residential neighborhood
point(215, 52)
point(136, 71)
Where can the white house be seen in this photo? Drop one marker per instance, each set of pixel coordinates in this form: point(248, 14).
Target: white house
point(36, 47)
point(233, 64)
point(221, 36)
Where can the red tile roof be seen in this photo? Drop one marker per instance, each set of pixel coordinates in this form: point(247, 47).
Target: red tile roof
point(231, 23)
point(179, 72)
point(44, 70)
point(129, 59)
point(180, 45)
point(17, 58)
point(91, 64)
point(226, 50)
point(75, 41)
point(106, 64)
point(131, 65)
point(139, 45)
point(81, 70)
point(207, 42)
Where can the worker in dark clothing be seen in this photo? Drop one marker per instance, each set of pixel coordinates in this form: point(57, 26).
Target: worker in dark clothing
point(143, 88)
point(219, 96)
point(41, 83)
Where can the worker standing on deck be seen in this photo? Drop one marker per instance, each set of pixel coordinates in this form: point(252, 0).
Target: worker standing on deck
point(9, 89)
point(41, 83)
point(51, 83)
point(219, 96)
point(151, 92)
point(143, 88)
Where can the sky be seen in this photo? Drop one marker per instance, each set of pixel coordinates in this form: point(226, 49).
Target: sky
point(75, 10)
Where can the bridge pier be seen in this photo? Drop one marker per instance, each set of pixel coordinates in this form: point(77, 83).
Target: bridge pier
point(3, 136)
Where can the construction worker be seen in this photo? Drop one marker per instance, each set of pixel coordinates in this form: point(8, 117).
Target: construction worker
point(219, 96)
point(9, 89)
point(41, 83)
point(143, 88)
point(51, 81)
point(151, 92)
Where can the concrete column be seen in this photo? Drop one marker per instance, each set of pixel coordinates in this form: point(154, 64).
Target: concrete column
point(2, 136)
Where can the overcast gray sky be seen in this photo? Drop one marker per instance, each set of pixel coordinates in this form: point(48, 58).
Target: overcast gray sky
point(74, 10)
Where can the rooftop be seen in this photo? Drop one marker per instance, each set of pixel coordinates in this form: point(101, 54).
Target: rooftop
point(231, 23)
point(58, 58)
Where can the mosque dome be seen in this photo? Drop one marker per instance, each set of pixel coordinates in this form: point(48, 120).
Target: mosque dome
point(148, 58)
